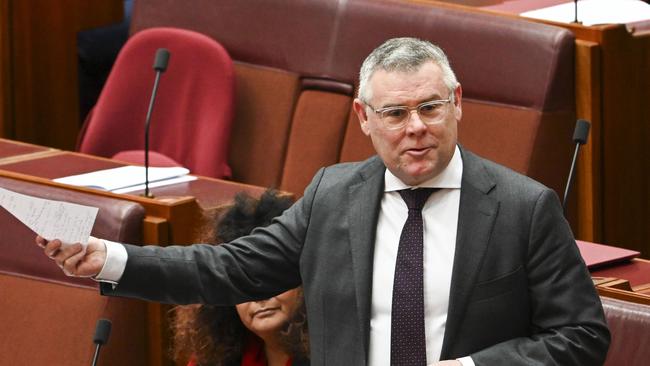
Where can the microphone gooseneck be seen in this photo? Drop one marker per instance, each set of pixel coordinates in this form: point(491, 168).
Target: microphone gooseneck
point(159, 65)
point(102, 332)
point(580, 135)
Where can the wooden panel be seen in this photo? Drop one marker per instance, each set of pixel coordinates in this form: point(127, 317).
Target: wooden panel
point(625, 295)
point(40, 61)
point(5, 72)
point(625, 138)
point(159, 334)
point(588, 177)
point(155, 230)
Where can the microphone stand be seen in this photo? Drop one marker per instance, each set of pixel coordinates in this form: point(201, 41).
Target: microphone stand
point(146, 136)
point(575, 12)
point(96, 356)
point(160, 65)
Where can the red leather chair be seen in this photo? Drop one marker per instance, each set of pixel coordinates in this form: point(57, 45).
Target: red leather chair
point(629, 324)
point(192, 116)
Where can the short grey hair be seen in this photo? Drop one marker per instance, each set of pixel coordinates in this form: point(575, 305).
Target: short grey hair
point(406, 55)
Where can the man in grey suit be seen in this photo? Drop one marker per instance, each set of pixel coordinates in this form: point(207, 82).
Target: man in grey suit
point(491, 274)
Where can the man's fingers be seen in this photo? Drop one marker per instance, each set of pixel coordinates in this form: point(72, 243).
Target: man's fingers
point(51, 248)
point(74, 259)
point(69, 264)
point(95, 244)
point(63, 253)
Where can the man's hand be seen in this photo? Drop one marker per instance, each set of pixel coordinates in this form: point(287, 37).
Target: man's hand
point(72, 259)
point(447, 363)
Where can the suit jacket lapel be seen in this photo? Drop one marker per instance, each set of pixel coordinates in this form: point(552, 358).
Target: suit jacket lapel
point(476, 219)
point(364, 199)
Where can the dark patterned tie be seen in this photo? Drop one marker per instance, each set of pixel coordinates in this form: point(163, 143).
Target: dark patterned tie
point(407, 338)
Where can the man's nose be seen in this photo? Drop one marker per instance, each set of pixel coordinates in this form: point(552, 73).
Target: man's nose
point(414, 123)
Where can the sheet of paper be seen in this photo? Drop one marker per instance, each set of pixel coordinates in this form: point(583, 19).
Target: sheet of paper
point(69, 222)
point(592, 12)
point(122, 177)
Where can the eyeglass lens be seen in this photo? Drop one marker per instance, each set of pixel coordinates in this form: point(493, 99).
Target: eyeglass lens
point(396, 117)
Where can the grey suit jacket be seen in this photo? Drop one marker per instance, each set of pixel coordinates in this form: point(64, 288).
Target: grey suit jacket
point(520, 292)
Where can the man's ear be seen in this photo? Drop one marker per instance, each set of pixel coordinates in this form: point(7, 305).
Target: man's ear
point(458, 99)
point(360, 109)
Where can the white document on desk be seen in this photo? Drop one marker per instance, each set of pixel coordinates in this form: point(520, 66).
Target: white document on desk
point(593, 12)
point(127, 178)
point(69, 222)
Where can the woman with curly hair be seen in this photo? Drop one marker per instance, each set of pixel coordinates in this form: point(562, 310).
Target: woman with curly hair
point(270, 332)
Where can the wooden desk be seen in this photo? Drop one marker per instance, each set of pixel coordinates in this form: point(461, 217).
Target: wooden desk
point(612, 91)
point(13, 151)
point(628, 281)
point(178, 213)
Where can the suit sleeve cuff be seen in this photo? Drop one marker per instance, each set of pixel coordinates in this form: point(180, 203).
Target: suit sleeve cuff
point(466, 361)
point(115, 263)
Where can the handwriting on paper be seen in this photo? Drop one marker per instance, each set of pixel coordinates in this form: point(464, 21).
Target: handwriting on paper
point(69, 222)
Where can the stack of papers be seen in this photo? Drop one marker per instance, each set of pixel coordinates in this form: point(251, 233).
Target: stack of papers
point(128, 178)
point(592, 12)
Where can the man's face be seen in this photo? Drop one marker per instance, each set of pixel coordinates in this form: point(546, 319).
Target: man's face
point(416, 152)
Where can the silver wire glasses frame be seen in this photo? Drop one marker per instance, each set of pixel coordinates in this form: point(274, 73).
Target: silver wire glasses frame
point(397, 117)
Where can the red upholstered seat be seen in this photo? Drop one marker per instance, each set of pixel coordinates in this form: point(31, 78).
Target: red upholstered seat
point(194, 107)
point(629, 324)
point(155, 158)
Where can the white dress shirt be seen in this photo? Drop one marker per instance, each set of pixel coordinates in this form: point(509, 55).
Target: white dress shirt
point(440, 215)
point(116, 257)
point(440, 218)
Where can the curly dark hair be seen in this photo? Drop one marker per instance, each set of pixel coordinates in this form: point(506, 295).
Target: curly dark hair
point(215, 335)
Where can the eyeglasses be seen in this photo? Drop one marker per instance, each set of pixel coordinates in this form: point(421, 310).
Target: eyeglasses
point(431, 113)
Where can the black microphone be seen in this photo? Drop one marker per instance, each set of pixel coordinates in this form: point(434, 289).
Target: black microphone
point(102, 331)
point(159, 65)
point(580, 135)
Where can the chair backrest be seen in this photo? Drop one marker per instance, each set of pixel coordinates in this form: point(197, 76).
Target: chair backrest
point(193, 111)
point(629, 324)
point(116, 220)
point(297, 64)
point(46, 323)
point(49, 318)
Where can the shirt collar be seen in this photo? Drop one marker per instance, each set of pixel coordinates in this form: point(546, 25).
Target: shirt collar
point(450, 177)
